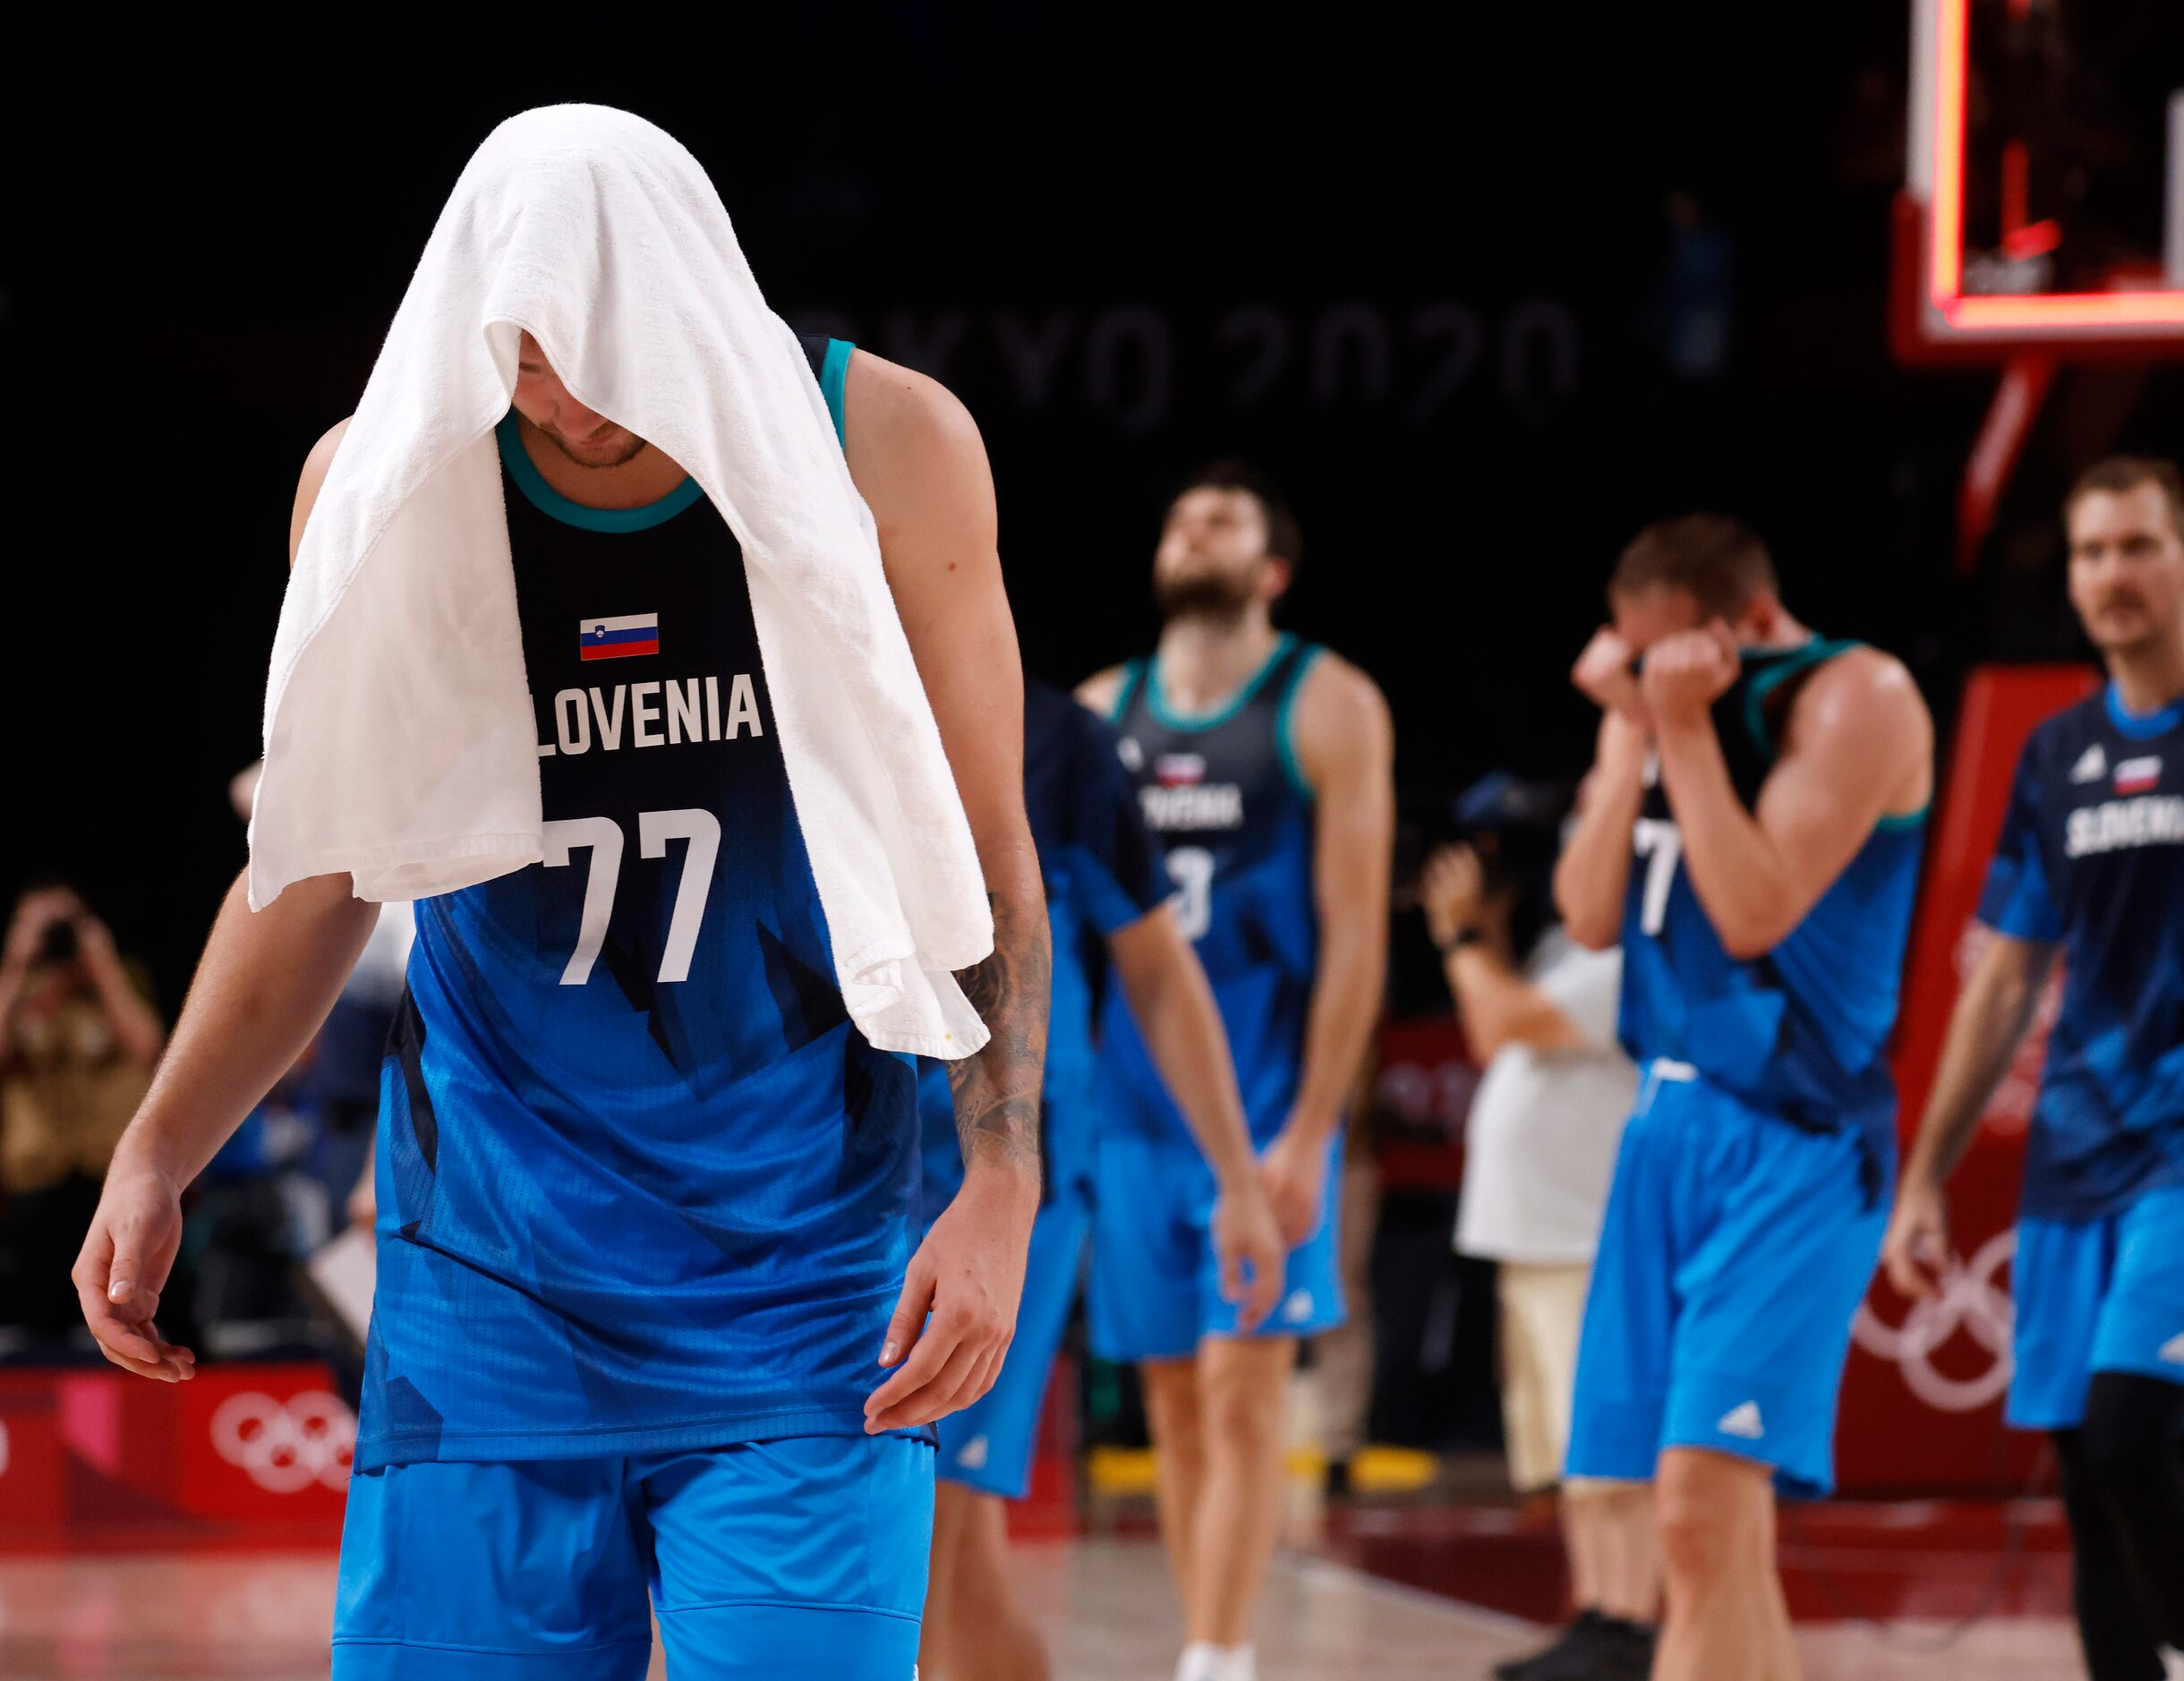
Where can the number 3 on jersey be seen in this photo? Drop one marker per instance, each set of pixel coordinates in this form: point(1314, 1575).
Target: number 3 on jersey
point(1661, 844)
point(1191, 869)
point(655, 829)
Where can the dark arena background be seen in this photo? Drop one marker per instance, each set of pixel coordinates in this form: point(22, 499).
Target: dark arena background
point(1484, 289)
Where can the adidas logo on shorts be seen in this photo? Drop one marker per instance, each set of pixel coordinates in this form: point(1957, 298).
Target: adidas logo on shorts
point(2172, 1350)
point(1298, 1308)
point(1743, 1421)
point(973, 1455)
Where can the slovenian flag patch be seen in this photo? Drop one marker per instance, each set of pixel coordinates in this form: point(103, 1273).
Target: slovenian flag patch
point(618, 639)
point(2135, 776)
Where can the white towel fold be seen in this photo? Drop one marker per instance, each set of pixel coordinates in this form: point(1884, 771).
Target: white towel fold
point(399, 735)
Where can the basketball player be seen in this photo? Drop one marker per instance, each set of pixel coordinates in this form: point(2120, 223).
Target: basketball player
point(1106, 897)
point(1264, 768)
point(1751, 836)
point(644, 1237)
point(2090, 864)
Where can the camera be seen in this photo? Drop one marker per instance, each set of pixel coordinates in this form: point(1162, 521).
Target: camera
point(62, 944)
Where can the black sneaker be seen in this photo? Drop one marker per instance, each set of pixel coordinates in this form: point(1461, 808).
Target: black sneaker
point(1575, 1643)
point(1626, 1651)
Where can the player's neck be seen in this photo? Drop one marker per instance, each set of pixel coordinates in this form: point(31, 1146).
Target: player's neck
point(1204, 660)
point(2150, 678)
point(1783, 632)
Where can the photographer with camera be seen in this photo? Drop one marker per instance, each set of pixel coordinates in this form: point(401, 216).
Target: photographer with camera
point(78, 1041)
point(1538, 1011)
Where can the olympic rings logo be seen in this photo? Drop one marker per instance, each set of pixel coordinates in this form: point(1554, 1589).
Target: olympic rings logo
point(285, 1447)
point(1970, 1300)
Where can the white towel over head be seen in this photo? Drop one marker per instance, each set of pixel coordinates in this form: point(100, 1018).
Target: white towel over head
point(399, 734)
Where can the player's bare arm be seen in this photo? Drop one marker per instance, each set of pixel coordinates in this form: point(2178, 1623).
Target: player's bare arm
point(1858, 747)
point(1345, 745)
point(917, 459)
point(263, 989)
point(1991, 1014)
point(1595, 868)
point(1173, 1003)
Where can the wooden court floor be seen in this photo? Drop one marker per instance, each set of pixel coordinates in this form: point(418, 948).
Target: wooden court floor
point(264, 1617)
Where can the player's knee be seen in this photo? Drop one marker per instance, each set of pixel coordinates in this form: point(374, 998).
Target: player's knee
point(1707, 1524)
point(1241, 1417)
point(2129, 1440)
point(1171, 1402)
point(1698, 1541)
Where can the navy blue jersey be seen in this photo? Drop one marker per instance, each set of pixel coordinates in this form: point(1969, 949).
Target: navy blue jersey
point(1223, 797)
point(1102, 873)
point(2091, 857)
point(1802, 1032)
point(642, 1184)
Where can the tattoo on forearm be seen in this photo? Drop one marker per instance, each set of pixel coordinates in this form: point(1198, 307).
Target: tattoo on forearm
point(997, 1091)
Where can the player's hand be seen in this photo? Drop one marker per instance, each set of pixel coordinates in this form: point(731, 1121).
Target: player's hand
point(1452, 891)
point(1915, 1249)
point(35, 913)
point(1686, 673)
point(126, 1258)
point(958, 1311)
point(1603, 674)
point(1295, 1172)
point(1248, 1245)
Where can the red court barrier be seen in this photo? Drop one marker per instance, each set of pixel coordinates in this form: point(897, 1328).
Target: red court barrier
point(1922, 1400)
point(242, 1455)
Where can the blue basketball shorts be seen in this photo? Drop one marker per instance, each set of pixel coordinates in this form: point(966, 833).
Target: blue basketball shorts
point(1734, 1254)
point(988, 1445)
point(802, 1559)
point(2105, 1294)
point(1155, 1279)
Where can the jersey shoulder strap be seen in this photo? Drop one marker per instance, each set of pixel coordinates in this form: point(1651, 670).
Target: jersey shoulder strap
point(1126, 696)
point(1770, 692)
point(830, 361)
point(1288, 684)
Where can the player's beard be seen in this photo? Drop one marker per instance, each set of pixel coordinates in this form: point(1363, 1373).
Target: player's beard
point(1220, 597)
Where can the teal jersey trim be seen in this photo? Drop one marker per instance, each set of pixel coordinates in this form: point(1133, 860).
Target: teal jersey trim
point(1802, 658)
point(1805, 658)
point(1133, 674)
point(1156, 700)
point(551, 502)
point(1284, 738)
point(2142, 725)
point(832, 372)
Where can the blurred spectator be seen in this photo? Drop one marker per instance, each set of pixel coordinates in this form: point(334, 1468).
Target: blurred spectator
point(1694, 306)
point(1540, 1013)
point(77, 1043)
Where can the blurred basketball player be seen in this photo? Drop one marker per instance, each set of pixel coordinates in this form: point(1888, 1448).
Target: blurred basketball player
point(1264, 768)
point(2090, 864)
point(645, 1212)
point(1106, 899)
point(1752, 836)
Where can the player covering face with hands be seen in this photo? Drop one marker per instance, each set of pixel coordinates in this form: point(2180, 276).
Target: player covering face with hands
point(1749, 836)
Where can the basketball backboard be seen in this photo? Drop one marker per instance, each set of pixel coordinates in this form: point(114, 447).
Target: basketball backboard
point(2043, 205)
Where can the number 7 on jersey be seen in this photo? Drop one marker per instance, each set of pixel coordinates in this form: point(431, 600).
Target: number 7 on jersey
point(655, 829)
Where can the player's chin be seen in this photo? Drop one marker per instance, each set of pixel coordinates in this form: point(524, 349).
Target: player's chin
point(2118, 629)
